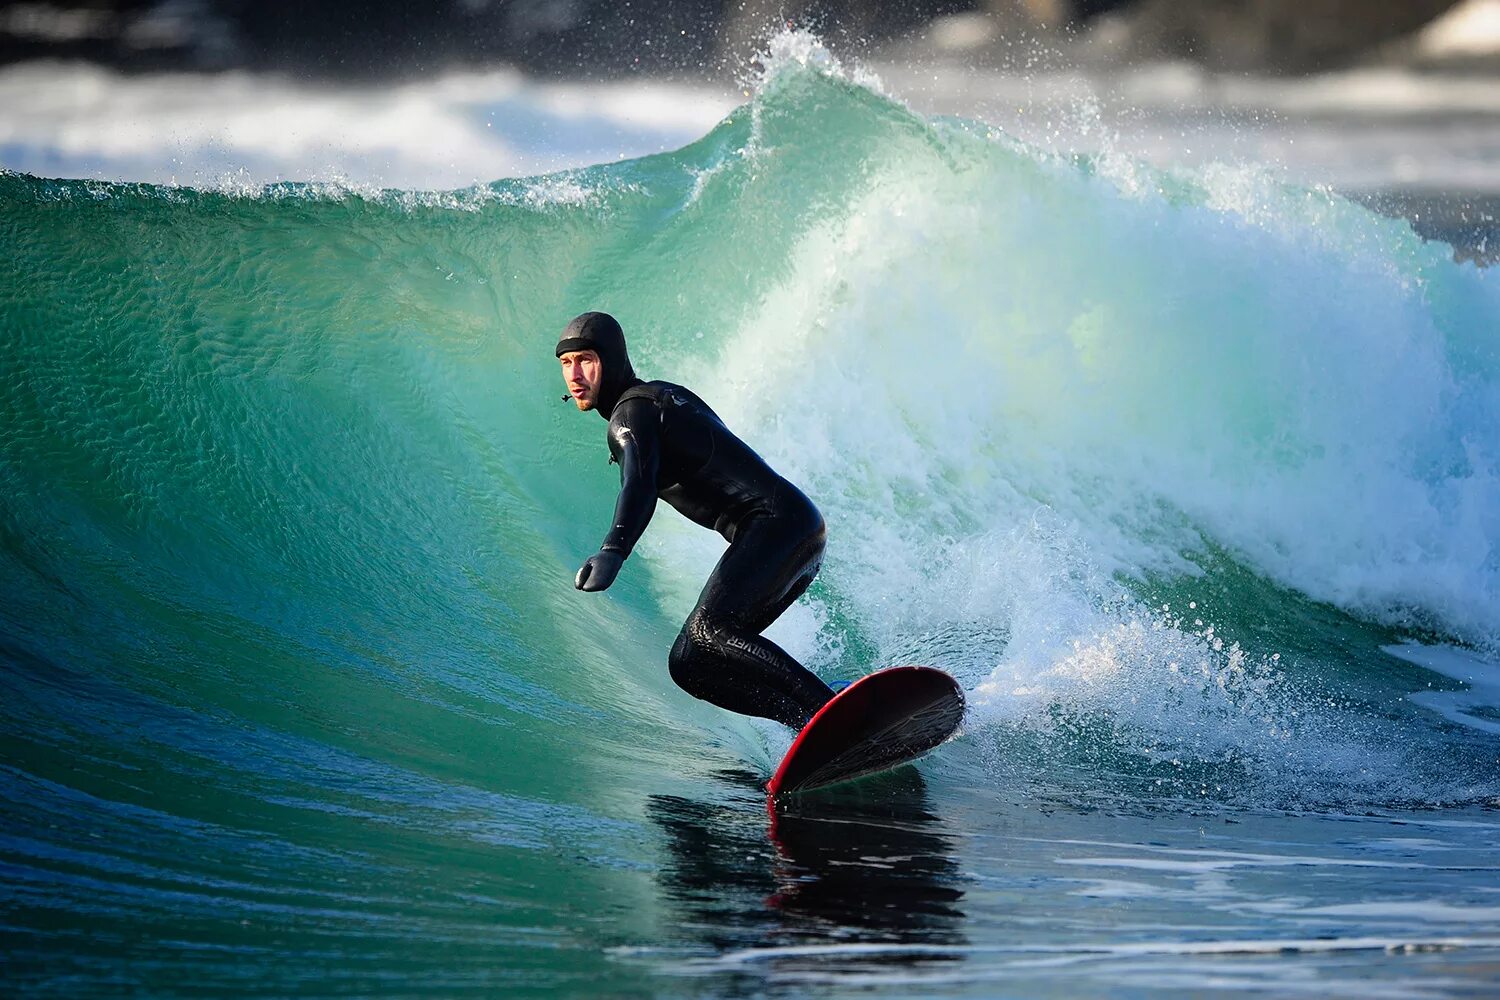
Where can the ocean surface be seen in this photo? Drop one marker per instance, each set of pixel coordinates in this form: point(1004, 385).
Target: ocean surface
point(1191, 474)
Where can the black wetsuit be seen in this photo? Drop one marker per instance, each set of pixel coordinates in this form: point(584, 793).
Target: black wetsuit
point(671, 446)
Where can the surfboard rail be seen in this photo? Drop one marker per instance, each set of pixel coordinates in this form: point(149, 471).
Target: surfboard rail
point(882, 720)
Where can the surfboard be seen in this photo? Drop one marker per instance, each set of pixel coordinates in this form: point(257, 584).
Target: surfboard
point(880, 721)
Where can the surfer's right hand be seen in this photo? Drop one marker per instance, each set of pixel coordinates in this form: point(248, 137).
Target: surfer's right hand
point(598, 571)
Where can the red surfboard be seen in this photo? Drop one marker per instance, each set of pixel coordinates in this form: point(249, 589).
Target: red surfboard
point(888, 718)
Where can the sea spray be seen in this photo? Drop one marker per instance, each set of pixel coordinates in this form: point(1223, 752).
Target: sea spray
point(299, 696)
point(1194, 374)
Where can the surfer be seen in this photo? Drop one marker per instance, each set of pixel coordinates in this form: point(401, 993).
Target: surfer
point(671, 446)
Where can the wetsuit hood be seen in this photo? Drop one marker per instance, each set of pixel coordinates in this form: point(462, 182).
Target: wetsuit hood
point(600, 332)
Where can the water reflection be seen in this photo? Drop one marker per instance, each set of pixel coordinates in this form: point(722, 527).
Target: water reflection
point(867, 864)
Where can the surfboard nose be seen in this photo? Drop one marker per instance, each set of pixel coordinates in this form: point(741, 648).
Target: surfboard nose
point(878, 722)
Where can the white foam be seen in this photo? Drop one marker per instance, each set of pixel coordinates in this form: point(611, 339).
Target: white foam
point(1364, 129)
point(1481, 676)
point(1430, 911)
point(1204, 863)
point(1231, 946)
point(1009, 384)
point(449, 131)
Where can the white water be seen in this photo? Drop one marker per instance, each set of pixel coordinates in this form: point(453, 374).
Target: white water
point(1011, 385)
point(1477, 705)
point(1359, 130)
point(1272, 371)
point(247, 130)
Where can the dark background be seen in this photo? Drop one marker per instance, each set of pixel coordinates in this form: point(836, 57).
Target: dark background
point(686, 38)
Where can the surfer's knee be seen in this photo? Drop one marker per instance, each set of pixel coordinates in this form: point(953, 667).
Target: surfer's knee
point(686, 660)
point(700, 654)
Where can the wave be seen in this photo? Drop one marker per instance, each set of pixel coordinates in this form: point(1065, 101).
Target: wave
point(1155, 461)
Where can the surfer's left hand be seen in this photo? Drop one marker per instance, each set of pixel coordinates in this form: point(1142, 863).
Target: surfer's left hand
point(598, 571)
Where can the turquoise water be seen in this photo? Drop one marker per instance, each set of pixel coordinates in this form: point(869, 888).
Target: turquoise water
point(1193, 479)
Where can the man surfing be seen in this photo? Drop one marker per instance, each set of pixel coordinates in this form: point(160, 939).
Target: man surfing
point(671, 446)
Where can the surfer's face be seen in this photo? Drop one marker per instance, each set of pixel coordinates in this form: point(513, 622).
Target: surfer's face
point(582, 374)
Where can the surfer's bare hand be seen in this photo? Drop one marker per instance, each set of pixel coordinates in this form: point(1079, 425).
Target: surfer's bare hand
point(599, 571)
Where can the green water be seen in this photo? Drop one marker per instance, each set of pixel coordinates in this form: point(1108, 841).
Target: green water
point(299, 697)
